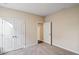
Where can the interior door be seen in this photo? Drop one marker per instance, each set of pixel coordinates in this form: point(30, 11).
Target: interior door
point(13, 34)
point(8, 34)
point(1, 47)
point(47, 33)
point(20, 33)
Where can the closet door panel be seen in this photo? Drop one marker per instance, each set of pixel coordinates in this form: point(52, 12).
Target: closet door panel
point(8, 34)
point(20, 33)
point(1, 47)
point(12, 33)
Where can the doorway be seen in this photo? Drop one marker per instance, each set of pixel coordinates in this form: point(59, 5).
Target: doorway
point(40, 32)
point(48, 32)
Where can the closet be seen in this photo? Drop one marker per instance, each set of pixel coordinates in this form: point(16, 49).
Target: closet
point(12, 34)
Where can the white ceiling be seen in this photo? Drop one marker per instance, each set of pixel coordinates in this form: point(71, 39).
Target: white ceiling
point(42, 9)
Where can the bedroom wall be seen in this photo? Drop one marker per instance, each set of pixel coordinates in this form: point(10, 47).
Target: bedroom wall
point(65, 28)
point(30, 21)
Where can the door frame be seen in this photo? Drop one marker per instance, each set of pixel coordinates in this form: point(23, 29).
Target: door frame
point(50, 32)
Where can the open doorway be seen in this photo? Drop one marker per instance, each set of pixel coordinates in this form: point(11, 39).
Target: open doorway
point(40, 32)
point(48, 32)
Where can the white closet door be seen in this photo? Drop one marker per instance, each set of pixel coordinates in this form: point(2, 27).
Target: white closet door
point(20, 33)
point(1, 47)
point(47, 32)
point(13, 34)
point(8, 34)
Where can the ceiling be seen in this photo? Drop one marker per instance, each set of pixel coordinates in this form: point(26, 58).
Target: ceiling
point(42, 9)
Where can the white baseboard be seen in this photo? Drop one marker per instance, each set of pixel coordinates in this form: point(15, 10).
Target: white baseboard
point(66, 49)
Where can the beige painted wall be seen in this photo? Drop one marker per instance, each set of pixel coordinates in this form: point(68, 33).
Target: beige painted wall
point(66, 28)
point(30, 20)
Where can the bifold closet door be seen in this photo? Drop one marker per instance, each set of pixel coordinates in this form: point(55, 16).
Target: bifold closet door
point(13, 34)
point(8, 34)
point(1, 47)
point(20, 33)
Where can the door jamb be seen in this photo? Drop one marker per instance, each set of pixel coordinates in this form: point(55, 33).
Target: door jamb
point(51, 33)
